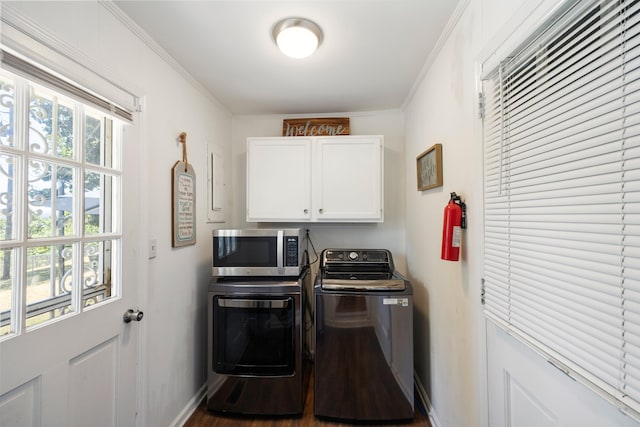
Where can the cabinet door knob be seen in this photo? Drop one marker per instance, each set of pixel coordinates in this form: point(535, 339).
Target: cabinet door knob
point(306, 211)
point(321, 210)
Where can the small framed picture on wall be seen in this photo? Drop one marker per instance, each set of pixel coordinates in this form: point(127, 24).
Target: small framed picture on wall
point(429, 168)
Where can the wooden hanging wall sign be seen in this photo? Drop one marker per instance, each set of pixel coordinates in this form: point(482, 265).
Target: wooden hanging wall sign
point(183, 191)
point(329, 126)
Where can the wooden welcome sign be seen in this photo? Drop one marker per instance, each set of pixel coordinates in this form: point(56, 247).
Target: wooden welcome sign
point(329, 126)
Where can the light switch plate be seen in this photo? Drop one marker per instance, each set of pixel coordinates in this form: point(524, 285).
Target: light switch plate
point(153, 248)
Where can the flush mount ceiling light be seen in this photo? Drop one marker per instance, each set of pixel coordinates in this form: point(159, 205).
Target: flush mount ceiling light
point(297, 37)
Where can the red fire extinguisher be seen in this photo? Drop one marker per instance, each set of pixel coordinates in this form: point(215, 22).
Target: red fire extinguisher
point(455, 220)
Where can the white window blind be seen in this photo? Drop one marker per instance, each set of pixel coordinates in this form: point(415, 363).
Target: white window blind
point(562, 195)
point(37, 73)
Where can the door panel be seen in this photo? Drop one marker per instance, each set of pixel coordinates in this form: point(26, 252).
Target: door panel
point(18, 407)
point(96, 366)
point(523, 407)
point(77, 362)
point(524, 390)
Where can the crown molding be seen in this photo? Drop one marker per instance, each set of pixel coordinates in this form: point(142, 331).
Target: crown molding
point(142, 35)
point(444, 36)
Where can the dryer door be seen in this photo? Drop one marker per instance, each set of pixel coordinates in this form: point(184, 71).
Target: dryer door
point(254, 335)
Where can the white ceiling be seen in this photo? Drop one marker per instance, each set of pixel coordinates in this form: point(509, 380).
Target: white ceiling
point(372, 54)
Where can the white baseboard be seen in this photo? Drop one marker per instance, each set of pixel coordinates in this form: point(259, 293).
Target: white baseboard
point(193, 403)
point(190, 407)
point(426, 403)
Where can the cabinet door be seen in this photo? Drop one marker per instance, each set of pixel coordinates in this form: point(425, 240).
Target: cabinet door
point(348, 181)
point(278, 179)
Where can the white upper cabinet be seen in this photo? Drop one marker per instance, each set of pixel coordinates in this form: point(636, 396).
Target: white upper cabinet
point(295, 179)
point(278, 179)
point(347, 178)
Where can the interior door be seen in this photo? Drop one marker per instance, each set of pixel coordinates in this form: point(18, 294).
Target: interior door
point(82, 369)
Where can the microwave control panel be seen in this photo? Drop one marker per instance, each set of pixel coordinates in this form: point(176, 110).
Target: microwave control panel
point(291, 251)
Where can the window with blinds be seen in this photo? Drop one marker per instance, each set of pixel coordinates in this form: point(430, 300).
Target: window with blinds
point(562, 195)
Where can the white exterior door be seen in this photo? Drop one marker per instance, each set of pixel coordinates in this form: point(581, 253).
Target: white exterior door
point(81, 369)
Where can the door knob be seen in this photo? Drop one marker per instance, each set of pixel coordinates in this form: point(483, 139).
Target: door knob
point(130, 315)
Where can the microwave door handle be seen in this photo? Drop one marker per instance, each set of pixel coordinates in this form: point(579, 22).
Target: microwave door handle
point(280, 252)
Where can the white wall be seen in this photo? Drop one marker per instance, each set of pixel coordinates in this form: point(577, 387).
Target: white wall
point(448, 351)
point(174, 285)
point(390, 234)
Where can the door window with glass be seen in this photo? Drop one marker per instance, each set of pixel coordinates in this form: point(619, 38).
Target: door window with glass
point(60, 171)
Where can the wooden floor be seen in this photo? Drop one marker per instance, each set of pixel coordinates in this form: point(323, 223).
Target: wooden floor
point(203, 418)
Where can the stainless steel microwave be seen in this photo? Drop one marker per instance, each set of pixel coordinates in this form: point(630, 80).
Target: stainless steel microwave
point(257, 252)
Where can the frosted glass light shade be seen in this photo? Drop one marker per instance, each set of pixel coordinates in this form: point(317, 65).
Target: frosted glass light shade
point(297, 37)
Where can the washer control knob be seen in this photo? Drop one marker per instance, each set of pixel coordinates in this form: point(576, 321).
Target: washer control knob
point(353, 256)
